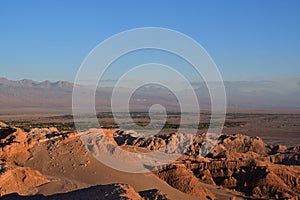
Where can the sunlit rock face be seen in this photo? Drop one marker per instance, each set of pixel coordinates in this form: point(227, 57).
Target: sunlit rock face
point(244, 165)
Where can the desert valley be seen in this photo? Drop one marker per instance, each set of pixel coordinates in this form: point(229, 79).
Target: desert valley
point(150, 100)
point(42, 156)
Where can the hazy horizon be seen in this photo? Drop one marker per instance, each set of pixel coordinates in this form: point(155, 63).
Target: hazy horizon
point(241, 95)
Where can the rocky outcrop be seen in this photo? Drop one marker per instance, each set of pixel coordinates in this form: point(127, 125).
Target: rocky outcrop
point(248, 165)
point(100, 192)
point(21, 180)
point(283, 155)
point(17, 147)
point(238, 144)
point(132, 139)
point(14, 145)
point(3, 125)
point(153, 194)
point(183, 179)
point(238, 163)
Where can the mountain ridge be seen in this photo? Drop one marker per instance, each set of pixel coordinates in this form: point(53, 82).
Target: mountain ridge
point(245, 95)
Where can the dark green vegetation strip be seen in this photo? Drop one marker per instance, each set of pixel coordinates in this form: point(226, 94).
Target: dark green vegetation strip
point(70, 126)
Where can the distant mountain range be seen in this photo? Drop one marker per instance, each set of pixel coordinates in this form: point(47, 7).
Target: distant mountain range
point(25, 83)
point(28, 95)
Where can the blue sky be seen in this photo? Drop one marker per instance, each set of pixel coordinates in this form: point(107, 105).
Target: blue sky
point(248, 40)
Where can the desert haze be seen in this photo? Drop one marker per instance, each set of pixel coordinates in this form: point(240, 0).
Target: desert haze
point(46, 96)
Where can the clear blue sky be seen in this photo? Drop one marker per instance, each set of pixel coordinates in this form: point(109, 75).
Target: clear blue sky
point(248, 40)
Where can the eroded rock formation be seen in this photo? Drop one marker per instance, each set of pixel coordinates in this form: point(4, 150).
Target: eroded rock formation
point(242, 165)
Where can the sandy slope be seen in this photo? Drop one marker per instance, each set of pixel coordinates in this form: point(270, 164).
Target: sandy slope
point(71, 166)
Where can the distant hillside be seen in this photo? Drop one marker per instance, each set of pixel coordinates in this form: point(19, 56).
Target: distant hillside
point(30, 96)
